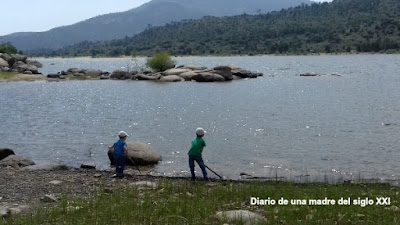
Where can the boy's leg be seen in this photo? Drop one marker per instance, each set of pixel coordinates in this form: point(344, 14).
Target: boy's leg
point(200, 161)
point(191, 166)
point(119, 166)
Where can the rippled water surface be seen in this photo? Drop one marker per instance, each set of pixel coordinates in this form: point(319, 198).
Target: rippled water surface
point(280, 125)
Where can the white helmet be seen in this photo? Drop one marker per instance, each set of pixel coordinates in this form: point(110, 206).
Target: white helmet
point(200, 131)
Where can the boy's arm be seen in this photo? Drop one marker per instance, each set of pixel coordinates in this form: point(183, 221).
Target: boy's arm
point(125, 150)
point(110, 147)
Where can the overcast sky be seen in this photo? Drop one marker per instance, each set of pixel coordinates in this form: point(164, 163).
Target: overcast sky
point(43, 15)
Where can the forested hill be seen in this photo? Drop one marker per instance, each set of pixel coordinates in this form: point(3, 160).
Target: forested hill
point(339, 26)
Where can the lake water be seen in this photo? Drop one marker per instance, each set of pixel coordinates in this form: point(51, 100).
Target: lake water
point(281, 125)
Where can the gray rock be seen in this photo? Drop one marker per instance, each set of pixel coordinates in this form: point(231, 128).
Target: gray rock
point(79, 74)
point(16, 161)
point(227, 74)
point(120, 75)
point(317, 75)
point(241, 73)
point(4, 152)
point(55, 182)
point(4, 212)
point(47, 167)
point(88, 166)
point(244, 216)
point(147, 77)
point(138, 154)
point(74, 70)
point(193, 67)
point(223, 68)
point(175, 71)
point(93, 72)
point(28, 72)
point(52, 75)
point(171, 78)
point(188, 76)
point(5, 56)
point(22, 67)
point(208, 77)
point(104, 76)
point(49, 198)
point(35, 63)
point(5, 69)
point(3, 63)
point(19, 58)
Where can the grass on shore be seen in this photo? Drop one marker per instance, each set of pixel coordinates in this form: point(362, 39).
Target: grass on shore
point(184, 202)
point(7, 75)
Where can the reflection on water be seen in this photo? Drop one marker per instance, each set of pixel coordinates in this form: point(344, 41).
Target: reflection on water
point(280, 126)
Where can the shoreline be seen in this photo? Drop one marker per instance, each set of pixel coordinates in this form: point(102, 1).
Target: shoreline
point(179, 56)
point(25, 191)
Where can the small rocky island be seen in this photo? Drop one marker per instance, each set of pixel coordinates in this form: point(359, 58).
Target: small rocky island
point(18, 63)
point(176, 74)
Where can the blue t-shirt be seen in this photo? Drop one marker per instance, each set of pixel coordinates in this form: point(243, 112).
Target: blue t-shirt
point(119, 148)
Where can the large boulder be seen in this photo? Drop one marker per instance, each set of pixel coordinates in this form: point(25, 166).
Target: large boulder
point(3, 63)
point(120, 75)
point(19, 57)
point(93, 72)
point(5, 56)
point(5, 152)
point(138, 154)
point(175, 71)
point(16, 161)
point(21, 67)
point(188, 76)
point(227, 74)
point(171, 78)
point(34, 63)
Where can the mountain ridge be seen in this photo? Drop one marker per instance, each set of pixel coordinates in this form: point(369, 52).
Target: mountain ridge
point(340, 26)
point(133, 21)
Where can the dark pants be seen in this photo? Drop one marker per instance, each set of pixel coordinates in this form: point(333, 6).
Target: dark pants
point(119, 165)
point(199, 161)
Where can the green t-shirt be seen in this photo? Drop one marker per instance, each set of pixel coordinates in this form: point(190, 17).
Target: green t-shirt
point(197, 145)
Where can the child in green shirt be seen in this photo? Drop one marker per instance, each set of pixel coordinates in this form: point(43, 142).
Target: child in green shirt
point(195, 153)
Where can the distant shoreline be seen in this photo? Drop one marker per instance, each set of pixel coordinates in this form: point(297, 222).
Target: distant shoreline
point(142, 56)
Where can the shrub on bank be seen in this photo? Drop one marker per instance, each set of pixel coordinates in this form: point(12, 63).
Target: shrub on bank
point(161, 62)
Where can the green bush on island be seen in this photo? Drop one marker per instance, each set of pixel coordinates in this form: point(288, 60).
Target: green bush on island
point(160, 62)
point(185, 202)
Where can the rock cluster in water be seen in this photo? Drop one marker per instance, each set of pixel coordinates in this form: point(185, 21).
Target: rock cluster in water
point(181, 73)
point(18, 63)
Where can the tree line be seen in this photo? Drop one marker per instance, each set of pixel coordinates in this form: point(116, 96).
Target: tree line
point(8, 48)
point(336, 27)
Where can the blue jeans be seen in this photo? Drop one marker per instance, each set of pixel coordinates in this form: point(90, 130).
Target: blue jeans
point(119, 165)
point(199, 161)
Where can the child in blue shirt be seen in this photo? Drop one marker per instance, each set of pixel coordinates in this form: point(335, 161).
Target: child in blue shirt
point(120, 151)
